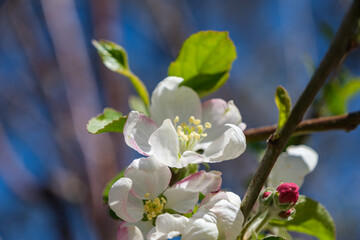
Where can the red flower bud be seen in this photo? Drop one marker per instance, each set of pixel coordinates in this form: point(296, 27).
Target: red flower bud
point(288, 193)
point(266, 194)
point(286, 214)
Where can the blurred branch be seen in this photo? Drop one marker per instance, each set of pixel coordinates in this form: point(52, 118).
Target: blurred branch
point(345, 122)
point(71, 53)
point(170, 23)
point(339, 48)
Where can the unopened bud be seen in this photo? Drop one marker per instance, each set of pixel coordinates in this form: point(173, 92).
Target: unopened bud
point(288, 193)
point(287, 214)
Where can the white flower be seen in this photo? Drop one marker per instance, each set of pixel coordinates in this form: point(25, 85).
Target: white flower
point(143, 194)
point(218, 217)
point(182, 130)
point(293, 165)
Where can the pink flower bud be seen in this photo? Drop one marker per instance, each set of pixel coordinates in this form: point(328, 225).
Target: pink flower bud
point(286, 214)
point(288, 193)
point(266, 194)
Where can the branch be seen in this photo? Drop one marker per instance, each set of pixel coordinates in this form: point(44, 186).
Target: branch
point(346, 122)
point(339, 48)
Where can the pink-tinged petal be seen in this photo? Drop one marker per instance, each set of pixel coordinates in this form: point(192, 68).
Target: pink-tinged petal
point(168, 226)
point(218, 113)
point(134, 231)
point(181, 200)
point(309, 156)
point(226, 207)
point(200, 229)
point(169, 100)
point(137, 131)
point(229, 145)
point(293, 166)
point(123, 203)
point(148, 176)
point(204, 182)
point(126, 232)
point(165, 144)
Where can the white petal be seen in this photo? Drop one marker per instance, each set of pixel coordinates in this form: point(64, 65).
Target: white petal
point(137, 131)
point(148, 176)
point(226, 207)
point(165, 144)
point(204, 182)
point(129, 232)
point(308, 154)
point(168, 101)
point(200, 229)
point(181, 200)
point(189, 157)
point(228, 146)
point(168, 226)
point(288, 168)
point(123, 203)
point(218, 113)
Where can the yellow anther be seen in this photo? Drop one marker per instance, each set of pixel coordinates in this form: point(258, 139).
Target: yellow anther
point(185, 138)
point(176, 119)
point(191, 119)
point(204, 134)
point(163, 200)
point(179, 128)
point(147, 195)
point(197, 121)
point(200, 128)
point(207, 125)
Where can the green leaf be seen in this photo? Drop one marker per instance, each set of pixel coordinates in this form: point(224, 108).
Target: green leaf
point(204, 61)
point(311, 218)
point(136, 104)
point(338, 96)
point(105, 195)
point(115, 58)
point(274, 238)
point(110, 121)
point(283, 103)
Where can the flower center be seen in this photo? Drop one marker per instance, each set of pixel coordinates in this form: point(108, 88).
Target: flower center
point(190, 133)
point(153, 208)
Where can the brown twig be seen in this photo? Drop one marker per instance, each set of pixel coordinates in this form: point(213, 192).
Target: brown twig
point(340, 46)
point(346, 122)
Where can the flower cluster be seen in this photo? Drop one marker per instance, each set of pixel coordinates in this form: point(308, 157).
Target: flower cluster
point(160, 197)
point(180, 132)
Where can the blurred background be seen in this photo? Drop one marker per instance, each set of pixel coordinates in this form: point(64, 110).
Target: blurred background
point(52, 171)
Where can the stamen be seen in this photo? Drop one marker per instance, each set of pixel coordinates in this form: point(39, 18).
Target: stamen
point(207, 125)
point(176, 119)
point(197, 121)
point(154, 208)
point(147, 195)
point(191, 119)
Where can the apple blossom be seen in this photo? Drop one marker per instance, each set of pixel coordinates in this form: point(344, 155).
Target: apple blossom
point(181, 130)
point(143, 194)
point(293, 165)
point(218, 217)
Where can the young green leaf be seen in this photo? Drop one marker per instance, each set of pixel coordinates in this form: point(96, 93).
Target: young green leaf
point(283, 103)
point(105, 195)
point(273, 238)
point(110, 121)
point(204, 61)
point(136, 104)
point(311, 218)
point(338, 96)
point(115, 58)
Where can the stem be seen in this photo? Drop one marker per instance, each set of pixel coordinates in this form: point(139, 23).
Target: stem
point(263, 222)
point(339, 48)
point(346, 122)
point(252, 220)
